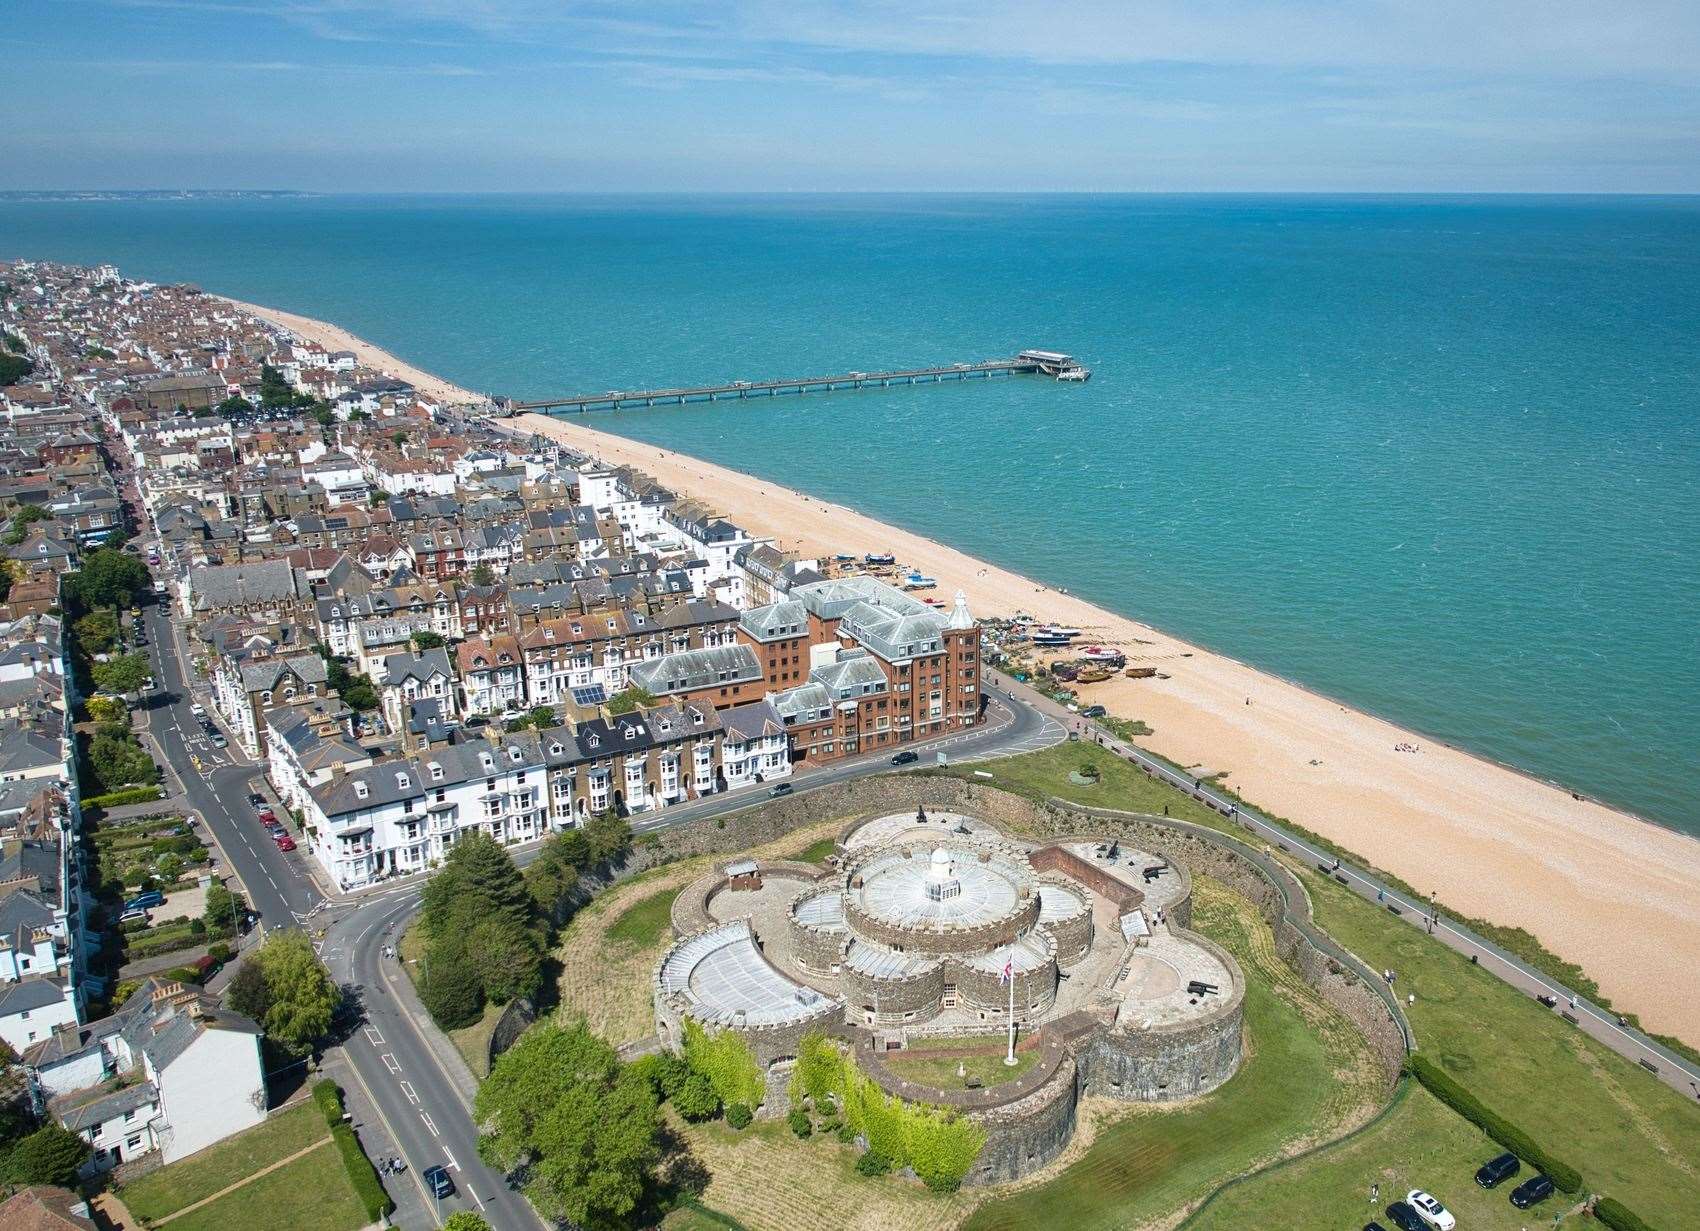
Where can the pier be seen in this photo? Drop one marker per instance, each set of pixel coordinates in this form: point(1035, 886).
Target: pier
point(1045, 363)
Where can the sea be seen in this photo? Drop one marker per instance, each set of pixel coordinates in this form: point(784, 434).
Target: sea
point(1437, 457)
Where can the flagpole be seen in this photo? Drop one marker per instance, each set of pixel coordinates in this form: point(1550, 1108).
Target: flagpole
point(1009, 1059)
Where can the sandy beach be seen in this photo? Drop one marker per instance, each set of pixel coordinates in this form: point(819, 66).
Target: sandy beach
point(334, 337)
point(1602, 888)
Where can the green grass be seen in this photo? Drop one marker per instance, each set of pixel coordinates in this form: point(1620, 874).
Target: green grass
point(934, 1063)
point(816, 852)
point(1631, 1136)
point(695, 1216)
point(311, 1194)
point(643, 922)
point(1308, 1074)
point(1420, 1144)
point(201, 1175)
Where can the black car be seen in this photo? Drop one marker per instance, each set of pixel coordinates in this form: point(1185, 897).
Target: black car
point(1405, 1217)
point(1374, 1226)
point(906, 758)
point(256, 801)
point(438, 1181)
point(1094, 711)
point(1497, 1170)
point(1531, 1191)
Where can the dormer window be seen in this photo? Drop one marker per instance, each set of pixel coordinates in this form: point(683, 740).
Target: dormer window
point(361, 790)
point(436, 771)
point(403, 782)
point(488, 761)
point(593, 741)
point(515, 755)
point(631, 732)
point(556, 750)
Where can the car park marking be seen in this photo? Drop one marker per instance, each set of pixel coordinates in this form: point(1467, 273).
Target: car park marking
point(429, 1125)
point(407, 1089)
point(372, 1035)
point(390, 1062)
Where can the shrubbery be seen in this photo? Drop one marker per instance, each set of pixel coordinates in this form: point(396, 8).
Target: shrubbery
point(696, 1099)
point(873, 1162)
point(117, 799)
point(1450, 1091)
point(1615, 1215)
point(939, 1145)
point(361, 1174)
point(328, 1095)
point(726, 1061)
point(799, 1122)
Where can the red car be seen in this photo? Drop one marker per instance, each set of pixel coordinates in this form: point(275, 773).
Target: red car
point(285, 842)
point(267, 816)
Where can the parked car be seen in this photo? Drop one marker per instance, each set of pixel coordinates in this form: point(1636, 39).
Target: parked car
point(1497, 1170)
point(145, 901)
point(1405, 1218)
point(1430, 1210)
point(133, 914)
point(217, 740)
point(274, 828)
point(1372, 1225)
point(284, 842)
point(1094, 711)
point(1532, 1191)
point(437, 1179)
point(256, 800)
point(784, 788)
point(267, 816)
point(199, 711)
point(906, 757)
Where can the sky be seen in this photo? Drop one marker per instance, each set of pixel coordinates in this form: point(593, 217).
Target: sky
point(856, 95)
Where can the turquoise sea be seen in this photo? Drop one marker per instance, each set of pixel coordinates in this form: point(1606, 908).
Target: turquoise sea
point(1438, 457)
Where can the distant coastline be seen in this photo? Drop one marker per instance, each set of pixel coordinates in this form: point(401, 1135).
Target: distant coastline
point(37, 196)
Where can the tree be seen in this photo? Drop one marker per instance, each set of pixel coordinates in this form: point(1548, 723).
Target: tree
point(425, 639)
point(696, 1099)
point(587, 1126)
point(477, 881)
point(123, 674)
point(608, 838)
point(117, 760)
point(630, 698)
point(465, 1220)
point(14, 368)
point(452, 990)
point(483, 575)
point(301, 999)
point(275, 392)
point(482, 920)
point(22, 520)
point(50, 1155)
point(223, 912)
point(359, 416)
point(235, 406)
point(97, 632)
point(109, 578)
point(540, 716)
point(508, 958)
point(552, 879)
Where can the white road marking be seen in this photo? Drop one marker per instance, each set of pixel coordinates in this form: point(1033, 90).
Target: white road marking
point(476, 1197)
point(453, 1166)
point(390, 1062)
point(373, 1036)
point(428, 1124)
point(407, 1089)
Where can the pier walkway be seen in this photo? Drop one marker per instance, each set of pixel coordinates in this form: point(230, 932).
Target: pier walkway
point(1048, 363)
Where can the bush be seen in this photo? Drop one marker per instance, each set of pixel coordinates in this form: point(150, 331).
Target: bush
point(846, 1135)
point(328, 1095)
point(361, 1174)
point(696, 1100)
point(798, 1120)
point(873, 1162)
point(739, 1115)
point(725, 1059)
point(1450, 1091)
point(664, 1071)
point(219, 952)
point(1617, 1216)
point(130, 795)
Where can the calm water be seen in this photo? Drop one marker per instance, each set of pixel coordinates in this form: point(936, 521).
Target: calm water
point(1439, 458)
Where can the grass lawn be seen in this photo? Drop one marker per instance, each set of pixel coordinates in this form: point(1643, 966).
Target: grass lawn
point(604, 977)
point(815, 852)
point(1421, 1144)
point(1041, 775)
point(312, 1193)
point(699, 1218)
point(472, 1042)
point(1630, 1135)
point(646, 920)
point(1308, 1076)
point(934, 1061)
point(201, 1175)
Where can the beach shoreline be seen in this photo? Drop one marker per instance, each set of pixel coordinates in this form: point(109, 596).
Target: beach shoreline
point(1616, 894)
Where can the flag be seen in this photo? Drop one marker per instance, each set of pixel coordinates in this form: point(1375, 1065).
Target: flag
point(1008, 971)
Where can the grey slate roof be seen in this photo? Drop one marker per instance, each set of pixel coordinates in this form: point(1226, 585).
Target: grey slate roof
point(240, 585)
point(688, 670)
point(776, 621)
point(268, 672)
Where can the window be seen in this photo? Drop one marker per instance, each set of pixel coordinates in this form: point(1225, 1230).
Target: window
point(361, 791)
point(402, 782)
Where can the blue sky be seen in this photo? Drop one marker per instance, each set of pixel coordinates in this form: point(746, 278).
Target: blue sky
point(522, 95)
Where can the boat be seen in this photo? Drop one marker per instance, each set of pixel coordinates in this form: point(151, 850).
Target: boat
point(879, 557)
point(1104, 654)
point(1075, 375)
point(1055, 630)
point(918, 581)
point(1093, 675)
point(1048, 639)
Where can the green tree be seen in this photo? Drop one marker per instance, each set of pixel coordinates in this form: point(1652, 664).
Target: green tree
point(117, 760)
point(465, 1220)
point(609, 838)
point(552, 879)
point(123, 674)
point(235, 406)
point(452, 990)
point(696, 1100)
point(483, 575)
point(22, 520)
point(97, 632)
point(560, 1100)
point(301, 998)
point(50, 1155)
point(109, 578)
point(630, 698)
point(425, 639)
point(224, 910)
point(170, 867)
point(477, 881)
point(275, 392)
point(14, 368)
point(508, 956)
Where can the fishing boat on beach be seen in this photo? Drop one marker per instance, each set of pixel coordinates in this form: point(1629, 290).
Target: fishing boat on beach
point(919, 581)
point(879, 557)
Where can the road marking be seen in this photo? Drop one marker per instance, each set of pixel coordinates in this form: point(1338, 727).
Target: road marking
point(453, 1166)
point(373, 1036)
point(390, 1062)
point(476, 1197)
point(429, 1125)
point(407, 1089)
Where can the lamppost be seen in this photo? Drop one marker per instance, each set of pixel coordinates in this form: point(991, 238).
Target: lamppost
point(1009, 974)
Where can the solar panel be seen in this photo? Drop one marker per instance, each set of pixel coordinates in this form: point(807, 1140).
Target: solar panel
point(590, 694)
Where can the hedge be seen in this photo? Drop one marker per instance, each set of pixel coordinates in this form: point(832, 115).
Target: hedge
point(361, 1173)
point(328, 1095)
point(1450, 1091)
point(129, 795)
point(1615, 1215)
